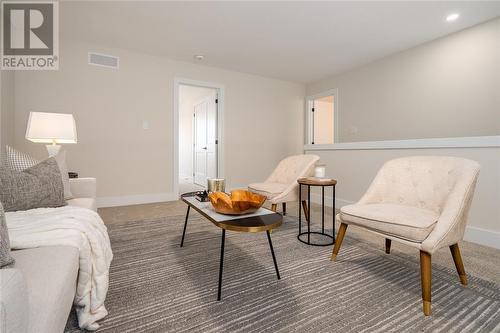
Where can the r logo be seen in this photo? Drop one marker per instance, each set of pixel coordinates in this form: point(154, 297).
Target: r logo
point(29, 29)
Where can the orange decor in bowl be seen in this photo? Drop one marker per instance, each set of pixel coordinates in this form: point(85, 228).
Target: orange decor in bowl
point(238, 203)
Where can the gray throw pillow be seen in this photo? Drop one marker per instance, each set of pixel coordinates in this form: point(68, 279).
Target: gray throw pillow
point(36, 187)
point(5, 257)
point(19, 161)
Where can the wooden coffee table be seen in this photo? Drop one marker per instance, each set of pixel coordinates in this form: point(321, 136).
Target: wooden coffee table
point(263, 220)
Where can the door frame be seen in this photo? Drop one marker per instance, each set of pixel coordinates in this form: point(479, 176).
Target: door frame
point(309, 117)
point(178, 81)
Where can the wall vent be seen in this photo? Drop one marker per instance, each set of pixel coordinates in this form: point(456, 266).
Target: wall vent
point(103, 60)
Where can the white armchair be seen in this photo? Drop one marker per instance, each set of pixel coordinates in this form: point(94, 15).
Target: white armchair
point(281, 186)
point(421, 201)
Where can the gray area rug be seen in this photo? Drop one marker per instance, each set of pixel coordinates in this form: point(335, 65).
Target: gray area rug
point(156, 286)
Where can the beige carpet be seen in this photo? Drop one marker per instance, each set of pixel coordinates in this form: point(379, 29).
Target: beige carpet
point(156, 286)
point(481, 261)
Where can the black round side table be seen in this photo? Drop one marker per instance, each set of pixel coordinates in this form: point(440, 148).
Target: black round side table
point(307, 210)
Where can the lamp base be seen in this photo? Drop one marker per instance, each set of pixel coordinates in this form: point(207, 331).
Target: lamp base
point(53, 150)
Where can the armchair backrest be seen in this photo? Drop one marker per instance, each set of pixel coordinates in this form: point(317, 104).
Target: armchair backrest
point(292, 168)
point(423, 181)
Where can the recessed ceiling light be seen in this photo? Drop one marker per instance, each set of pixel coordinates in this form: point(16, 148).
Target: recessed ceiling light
point(452, 17)
point(199, 57)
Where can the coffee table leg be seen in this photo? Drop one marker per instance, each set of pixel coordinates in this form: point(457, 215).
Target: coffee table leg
point(185, 225)
point(221, 263)
point(272, 252)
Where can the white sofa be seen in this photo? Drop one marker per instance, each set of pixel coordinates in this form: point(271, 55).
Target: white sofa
point(84, 193)
point(36, 294)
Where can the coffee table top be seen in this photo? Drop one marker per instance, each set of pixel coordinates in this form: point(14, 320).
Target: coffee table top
point(262, 220)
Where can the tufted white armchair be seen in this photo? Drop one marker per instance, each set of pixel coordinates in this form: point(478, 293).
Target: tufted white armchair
point(281, 186)
point(421, 201)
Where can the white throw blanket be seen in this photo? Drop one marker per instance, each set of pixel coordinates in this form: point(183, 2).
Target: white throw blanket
point(72, 226)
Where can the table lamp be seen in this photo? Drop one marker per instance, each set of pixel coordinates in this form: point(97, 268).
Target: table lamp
point(53, 128)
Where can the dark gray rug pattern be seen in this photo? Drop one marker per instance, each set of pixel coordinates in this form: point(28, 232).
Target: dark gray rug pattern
point(156, 286)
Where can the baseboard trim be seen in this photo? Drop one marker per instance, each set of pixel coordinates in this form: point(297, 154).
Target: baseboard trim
point(482, 236)
point(472, 234)
point(138, 199)
point(316, 198)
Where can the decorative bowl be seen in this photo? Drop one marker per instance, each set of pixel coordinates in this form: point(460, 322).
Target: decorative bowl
point(238, 203)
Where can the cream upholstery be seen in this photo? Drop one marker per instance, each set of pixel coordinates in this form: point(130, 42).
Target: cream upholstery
point(282, 185)
point(411, 223)
point(50, 273)
point(14, 301)
point(89, 203)
point(422, 200)
point(270, 190)
point(84, 193)
point(83, 187)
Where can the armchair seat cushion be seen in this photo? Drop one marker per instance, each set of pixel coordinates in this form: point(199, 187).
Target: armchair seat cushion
point(268, 189)
point(406, 222)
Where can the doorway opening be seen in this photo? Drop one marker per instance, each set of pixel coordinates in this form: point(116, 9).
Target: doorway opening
point(198, 138)
point(322, 118)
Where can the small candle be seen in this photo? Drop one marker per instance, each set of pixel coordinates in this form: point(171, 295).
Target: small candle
point(216, 185)
point(320, 171)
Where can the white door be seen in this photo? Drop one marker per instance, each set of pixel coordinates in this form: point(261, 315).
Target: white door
point(205, 145)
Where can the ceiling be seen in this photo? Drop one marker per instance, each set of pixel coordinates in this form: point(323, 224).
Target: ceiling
point(295, 41)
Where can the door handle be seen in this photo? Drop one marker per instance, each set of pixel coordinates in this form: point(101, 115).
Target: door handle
point(204, 148)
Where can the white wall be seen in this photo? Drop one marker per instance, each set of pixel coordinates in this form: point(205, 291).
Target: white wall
point(189, 96)
point(396, 86)
point(355, 169)
point(445, 88)
point(132, 165)
point(6, 109)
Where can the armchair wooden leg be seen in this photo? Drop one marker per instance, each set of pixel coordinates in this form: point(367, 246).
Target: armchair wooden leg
point(284, 208)
point(387, 246)
point(338, 241)
point(426, 279)
point(457, 258)
point(306, 209)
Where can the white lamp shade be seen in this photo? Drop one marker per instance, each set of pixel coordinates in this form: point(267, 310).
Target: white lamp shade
point(46, 127)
